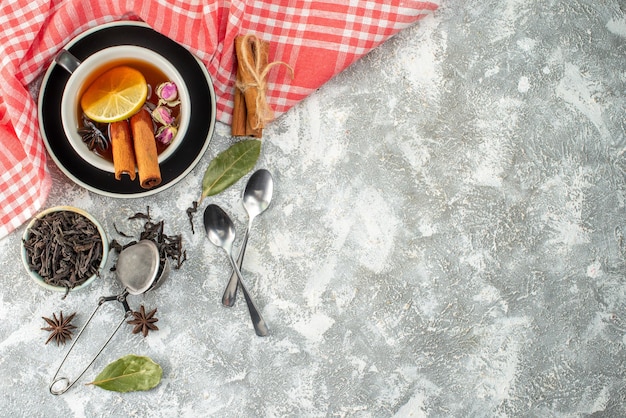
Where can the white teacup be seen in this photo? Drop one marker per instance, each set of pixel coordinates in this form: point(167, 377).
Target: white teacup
point(85, 72)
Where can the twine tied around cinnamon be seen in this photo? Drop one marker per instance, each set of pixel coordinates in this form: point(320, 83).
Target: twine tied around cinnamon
point(253, 68)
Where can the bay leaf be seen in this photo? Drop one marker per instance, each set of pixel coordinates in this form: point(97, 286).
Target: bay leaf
point(229, 166)
point(129, 373)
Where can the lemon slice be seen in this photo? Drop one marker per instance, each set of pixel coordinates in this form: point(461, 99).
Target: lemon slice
point(115, 95)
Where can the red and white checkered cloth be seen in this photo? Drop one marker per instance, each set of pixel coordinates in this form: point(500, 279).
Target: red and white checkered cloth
point(317, 38)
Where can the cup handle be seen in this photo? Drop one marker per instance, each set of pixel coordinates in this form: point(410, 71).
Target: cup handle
point(66, 60)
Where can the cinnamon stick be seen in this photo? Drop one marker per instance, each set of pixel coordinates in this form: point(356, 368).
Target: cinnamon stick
point(248, 58)
point(240, 115)
point(145, 149)
point(255, 128)
point(123, 152)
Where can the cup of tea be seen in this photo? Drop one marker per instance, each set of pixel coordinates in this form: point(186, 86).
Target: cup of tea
point(156, 70)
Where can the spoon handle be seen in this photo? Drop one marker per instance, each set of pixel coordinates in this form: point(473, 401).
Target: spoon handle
point(260, 327)
point(230, 293)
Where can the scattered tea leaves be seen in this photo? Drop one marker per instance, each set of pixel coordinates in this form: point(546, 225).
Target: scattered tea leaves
point(129, 373)
point(169, 245)
point(190, 212)
point(64, 248)
point(229, 166)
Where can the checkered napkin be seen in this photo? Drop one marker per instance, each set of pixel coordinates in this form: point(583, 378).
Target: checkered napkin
point(317, 38)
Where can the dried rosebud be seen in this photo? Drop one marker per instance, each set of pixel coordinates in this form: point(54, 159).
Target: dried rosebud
point(167, 91)
point(165, 134)
point(162, 115)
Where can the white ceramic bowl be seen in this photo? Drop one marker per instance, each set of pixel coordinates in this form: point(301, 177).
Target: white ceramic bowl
point(36, 277)
point(99, 63)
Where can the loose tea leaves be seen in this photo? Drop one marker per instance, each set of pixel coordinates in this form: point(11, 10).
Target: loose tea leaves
point(129, 373)
point(64, 248)
point(170, 246)
point(190, 212)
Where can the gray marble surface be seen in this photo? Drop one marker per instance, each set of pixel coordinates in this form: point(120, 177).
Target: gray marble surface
point(446, 239)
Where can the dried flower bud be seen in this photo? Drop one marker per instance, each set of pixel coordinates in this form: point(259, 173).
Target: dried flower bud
point(167, 91)
point(162, 115)
point(165, 134)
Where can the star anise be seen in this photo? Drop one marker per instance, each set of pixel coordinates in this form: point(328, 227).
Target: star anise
point(143, 322)
point(60, 328)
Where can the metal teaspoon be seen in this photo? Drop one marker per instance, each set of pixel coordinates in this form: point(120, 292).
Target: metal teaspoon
point(257, 197)
point(221, 232)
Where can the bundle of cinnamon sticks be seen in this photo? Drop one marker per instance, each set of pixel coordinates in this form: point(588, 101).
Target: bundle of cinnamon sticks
point(135, 146)
point(250, 109)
